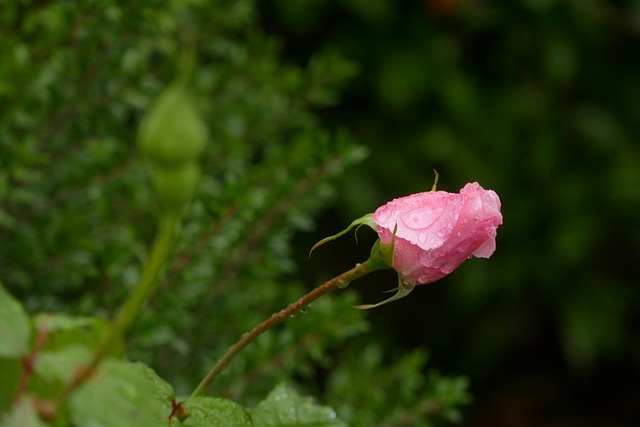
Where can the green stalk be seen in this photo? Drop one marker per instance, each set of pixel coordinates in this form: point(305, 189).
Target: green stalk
point(160, 251)
point(340, 281)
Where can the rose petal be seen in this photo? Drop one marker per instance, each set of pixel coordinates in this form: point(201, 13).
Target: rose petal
point(437, 231)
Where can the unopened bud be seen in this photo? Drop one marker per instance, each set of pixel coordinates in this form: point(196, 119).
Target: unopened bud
point(172, 132)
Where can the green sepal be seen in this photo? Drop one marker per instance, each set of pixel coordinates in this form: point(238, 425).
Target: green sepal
point(435, 180)
point(381, 256)
point(364, 220)
point(404, 288)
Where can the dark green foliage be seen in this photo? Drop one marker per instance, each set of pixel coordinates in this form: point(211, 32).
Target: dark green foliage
point(78, 214)
point(398, 395)
point(538, 101)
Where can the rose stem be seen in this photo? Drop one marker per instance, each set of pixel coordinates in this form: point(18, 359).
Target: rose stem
point(135, 302)
point(358, 271)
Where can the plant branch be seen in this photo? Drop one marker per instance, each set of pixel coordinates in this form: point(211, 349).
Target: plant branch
point(29, 361)
point(339, 281)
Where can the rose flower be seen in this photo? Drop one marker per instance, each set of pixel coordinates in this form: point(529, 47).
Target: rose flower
point(436, 231)
point(426, 236)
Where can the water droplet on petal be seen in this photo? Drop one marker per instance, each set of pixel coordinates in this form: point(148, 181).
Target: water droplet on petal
point(447, 268)
point(435, 243)
point(422, 239)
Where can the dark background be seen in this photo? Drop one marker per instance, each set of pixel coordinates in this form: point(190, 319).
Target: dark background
point(538, 100)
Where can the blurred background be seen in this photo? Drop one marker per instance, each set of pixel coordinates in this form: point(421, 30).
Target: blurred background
point(540, 101)
point(319, 112)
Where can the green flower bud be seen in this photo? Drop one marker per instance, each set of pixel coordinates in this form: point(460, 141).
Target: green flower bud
point(176, 186)
point(172, 132)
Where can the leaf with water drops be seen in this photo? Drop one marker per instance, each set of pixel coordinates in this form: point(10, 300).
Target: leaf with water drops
point(207, 411)
point(121, 394)
point(284, 407)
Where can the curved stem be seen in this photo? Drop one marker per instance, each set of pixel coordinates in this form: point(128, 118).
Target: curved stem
point(148, 280)
point(293, 308)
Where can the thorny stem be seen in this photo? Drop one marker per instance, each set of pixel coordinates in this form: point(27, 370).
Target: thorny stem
point(29, 361)
point(339, 281)
point(148, 280)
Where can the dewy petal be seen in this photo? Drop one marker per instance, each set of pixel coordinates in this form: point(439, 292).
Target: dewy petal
point(491, 204)
point(437, 231)
point(486, 249)
point(424, 219)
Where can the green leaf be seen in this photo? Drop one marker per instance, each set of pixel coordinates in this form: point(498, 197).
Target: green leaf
point(60, 365)
point(10, 371)
point(23, 414)
point(215, 412)
point(122, 394)
point(63, 330)
point(15, 329)
point(284, 407)
point(53, 369)
point(162, 390)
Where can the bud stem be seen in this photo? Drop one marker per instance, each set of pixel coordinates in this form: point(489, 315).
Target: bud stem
point(358, 271)
point(162, 246)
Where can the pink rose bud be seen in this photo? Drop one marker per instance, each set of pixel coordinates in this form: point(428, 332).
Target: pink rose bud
point(436, 231)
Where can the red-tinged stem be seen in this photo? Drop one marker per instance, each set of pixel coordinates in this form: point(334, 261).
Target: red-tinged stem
point(293, 308)
point(29, 361)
